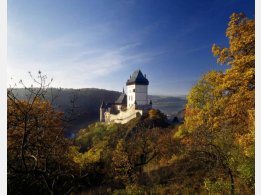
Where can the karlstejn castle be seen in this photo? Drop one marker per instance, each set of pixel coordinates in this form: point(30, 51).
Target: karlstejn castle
point(129, 105)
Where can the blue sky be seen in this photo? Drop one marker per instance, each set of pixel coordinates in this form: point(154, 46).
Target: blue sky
point(99, 43)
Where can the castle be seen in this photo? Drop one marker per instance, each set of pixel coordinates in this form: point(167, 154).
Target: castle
point(127, 106)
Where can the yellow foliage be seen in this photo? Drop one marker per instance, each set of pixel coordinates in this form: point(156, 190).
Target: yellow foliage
point(221, 106)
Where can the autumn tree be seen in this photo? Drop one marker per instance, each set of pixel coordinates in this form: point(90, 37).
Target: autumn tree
point(122, 169)
point(238, 85)
point(37, 150)
point(219, 118)
point(142, 148)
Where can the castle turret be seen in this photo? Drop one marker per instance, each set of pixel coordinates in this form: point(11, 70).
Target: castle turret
point(137, 89)
point(102, 111)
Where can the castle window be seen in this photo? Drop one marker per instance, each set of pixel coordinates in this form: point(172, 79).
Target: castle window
point(133, 90)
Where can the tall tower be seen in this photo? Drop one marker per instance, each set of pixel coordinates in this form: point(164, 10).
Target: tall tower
point(137, 89)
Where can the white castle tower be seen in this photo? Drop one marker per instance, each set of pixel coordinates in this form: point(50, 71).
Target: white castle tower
point(137, 90)
point(126, 107)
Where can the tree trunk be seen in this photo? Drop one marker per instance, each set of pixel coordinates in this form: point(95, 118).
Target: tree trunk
point(232, 186)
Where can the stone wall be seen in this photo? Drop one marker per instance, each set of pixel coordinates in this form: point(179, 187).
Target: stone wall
point(123, 117)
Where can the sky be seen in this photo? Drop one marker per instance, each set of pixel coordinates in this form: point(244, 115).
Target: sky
point(99, 43)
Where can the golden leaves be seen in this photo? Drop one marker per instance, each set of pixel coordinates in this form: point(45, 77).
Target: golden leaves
point(220, 108)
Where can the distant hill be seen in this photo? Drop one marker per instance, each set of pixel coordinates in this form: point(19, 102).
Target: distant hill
point(88, 101)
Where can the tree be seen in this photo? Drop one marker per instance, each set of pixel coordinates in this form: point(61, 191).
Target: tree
point(37, 150)
point(239, 85)
point(123, 173)
point(219, 118)
point(141, 148)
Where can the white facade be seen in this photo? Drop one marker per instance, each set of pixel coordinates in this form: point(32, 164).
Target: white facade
point(138, 93)
point(123, 117)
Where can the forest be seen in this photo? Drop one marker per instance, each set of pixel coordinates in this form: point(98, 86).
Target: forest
point(211, 152)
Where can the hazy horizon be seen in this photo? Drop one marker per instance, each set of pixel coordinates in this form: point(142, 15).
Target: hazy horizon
point(150, 94)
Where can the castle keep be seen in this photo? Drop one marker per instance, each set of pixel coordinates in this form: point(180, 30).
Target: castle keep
point(127, 106)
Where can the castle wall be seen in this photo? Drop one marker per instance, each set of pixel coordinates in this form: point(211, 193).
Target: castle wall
point(123, 117)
